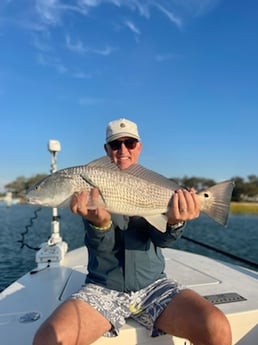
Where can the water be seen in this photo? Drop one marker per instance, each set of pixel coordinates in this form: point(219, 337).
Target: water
point(16, 261)
point(239, 238)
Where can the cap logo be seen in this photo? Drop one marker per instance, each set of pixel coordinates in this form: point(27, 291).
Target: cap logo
point(122, 125)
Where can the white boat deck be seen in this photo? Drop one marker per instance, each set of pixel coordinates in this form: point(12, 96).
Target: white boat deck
point(26, 303)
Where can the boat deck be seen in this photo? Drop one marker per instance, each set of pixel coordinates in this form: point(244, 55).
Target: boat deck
point(26, 303)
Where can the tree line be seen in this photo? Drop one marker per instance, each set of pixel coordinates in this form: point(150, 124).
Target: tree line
point(19, 186)
point(244, 190)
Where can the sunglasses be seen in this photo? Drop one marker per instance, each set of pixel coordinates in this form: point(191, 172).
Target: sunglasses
point(130, 144)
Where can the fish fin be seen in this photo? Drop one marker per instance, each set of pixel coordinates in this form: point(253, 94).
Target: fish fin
point(136, 170)
point(103, 162)
point(93, 204)
point(88, 181)
point(216, 201)
point(158, 221)
point(141, 172)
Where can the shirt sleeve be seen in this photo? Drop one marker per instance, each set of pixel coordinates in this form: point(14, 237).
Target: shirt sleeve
point(167, 238)
point(99, 239)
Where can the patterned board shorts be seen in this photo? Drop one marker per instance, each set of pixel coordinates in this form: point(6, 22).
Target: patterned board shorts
point(144, 305)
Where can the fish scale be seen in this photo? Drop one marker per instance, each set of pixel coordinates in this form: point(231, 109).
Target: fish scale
point(128, 194)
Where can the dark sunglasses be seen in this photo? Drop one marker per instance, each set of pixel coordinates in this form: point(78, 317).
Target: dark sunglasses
point(130, 144)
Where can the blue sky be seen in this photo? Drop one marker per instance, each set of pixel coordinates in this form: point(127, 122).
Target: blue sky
point(185, 71)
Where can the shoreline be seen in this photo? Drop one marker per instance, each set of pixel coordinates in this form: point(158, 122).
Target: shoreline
point(244, 207)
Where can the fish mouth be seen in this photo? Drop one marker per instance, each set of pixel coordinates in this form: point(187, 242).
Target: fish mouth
point(33, 201)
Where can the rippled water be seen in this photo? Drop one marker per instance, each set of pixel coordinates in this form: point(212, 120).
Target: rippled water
point(239, 238)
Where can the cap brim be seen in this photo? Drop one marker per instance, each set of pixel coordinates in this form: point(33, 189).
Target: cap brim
point(120, 135)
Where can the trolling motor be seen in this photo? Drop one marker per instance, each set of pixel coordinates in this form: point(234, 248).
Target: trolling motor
point(53, 251)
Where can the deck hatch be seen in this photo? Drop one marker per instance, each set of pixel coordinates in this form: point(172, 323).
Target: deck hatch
point(228, 297)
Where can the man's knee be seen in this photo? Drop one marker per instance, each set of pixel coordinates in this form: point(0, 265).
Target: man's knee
point(45, 335)
point(218, 329)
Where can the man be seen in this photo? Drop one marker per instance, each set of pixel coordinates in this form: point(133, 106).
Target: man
point(126, 270)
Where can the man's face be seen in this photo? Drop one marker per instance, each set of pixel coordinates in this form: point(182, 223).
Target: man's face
point(124, 151)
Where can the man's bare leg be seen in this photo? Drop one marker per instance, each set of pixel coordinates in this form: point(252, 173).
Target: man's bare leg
point(73, 323)
point(192, 317)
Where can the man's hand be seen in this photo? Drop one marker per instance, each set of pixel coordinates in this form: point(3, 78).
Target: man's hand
point(184, 205)
point(87, 205)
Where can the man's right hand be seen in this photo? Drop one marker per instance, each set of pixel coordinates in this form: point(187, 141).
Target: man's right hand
point(90, 206)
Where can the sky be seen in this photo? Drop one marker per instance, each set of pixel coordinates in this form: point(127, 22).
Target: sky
point(186, 71)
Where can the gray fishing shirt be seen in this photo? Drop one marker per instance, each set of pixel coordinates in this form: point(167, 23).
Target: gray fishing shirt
point(127, 257)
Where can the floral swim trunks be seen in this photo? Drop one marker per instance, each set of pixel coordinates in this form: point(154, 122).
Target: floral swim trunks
point(144, 305)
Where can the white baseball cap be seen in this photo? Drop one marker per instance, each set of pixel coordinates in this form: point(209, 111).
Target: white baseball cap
point(121, 128)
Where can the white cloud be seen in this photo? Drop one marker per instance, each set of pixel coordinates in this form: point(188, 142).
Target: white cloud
point(89, 3)
point(78, 47)
point(132, 27)
point(196, 8)
point(49, 11)
point(45, 19)
point(54, 62)
point(171, 16)
point(105, 51)
point(52, 11)
point(46, 14)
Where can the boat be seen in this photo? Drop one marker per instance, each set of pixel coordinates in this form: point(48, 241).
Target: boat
point(27, 302)
point(8, 200)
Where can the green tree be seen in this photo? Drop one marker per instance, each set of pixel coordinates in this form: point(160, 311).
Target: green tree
point(21, 184)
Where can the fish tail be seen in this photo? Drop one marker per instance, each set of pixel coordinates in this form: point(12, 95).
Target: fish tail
point(215, 201)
